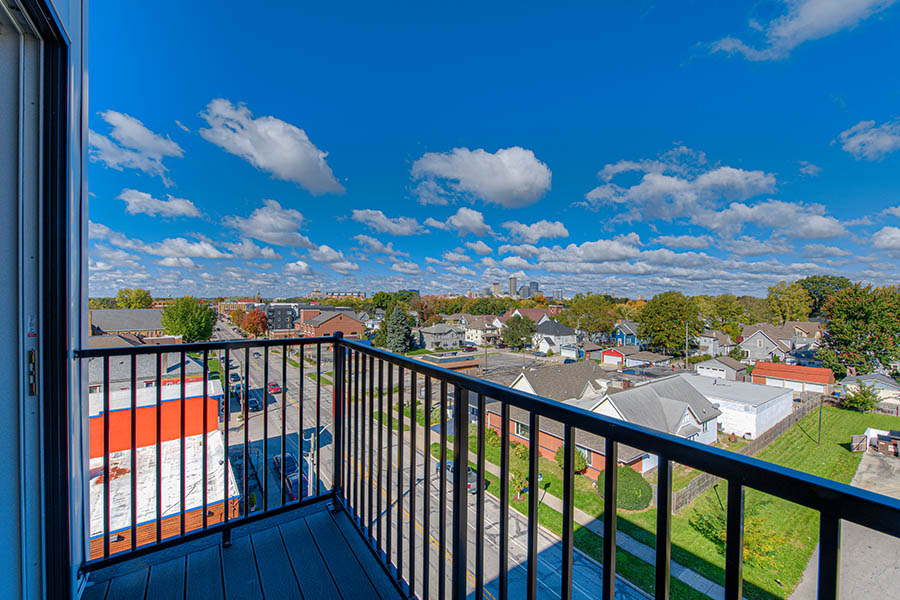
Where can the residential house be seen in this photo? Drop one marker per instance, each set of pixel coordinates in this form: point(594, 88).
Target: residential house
point(714, 342)
point(442, 336)
point(764, 341)
point(538, 315)
point(748, 409)
point(794, 377)
point(887, 388)
point(143, 322)
point(563, 382)
point(551, 336)
point(591, 350)
point(626, 334)
point(806, 355)
point(615, 357)
point(723, 367)
point(329, 321)
point(480, 330)
point(647, 359)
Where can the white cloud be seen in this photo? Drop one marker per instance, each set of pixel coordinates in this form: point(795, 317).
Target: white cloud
point(326, 254)
point(892, 210)
point(479, 247)
point(432, 222)
point(677, 185)
point(750, 246)
point(377, 246)
point(516, 262)
point(804, 20)
point(273, 224)
point(143, 203)
point(269, 144)
point(816, 250)
point(467, 221)
point(523, 250)
point(182, 126)
point(533, 233)
point(408, 268)
point(451, 256)
point(298, 268)
point(809, 169)
point(694, 242)
point(177, 261)
point(887, 238)
point(383, 224)
point(344, 267)
point(173, 247)
point(247, 250)
point(463, 271)
point(807, 221)
point(511, 177)
point(865, 140)
point(133, 146)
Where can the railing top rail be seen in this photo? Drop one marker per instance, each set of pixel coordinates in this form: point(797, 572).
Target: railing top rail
point(840, 500)
point(201, 346)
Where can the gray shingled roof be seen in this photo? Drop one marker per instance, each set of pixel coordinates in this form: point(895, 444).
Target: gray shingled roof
point(660, 404)
point(727, 361)
point(127, 319)
point(870, 379)
point(628, 327)
point(561, 382)
point(327, 315)
point(145, 367)
point(442, 328)
point(554, 328)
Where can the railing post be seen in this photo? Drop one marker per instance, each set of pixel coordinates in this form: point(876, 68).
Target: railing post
point(663, 527)
point(460, 500)
point(829, 557)
point(734, 542)
point(337, 407)
point(610, 493)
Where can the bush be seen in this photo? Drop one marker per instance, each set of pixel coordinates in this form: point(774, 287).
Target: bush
point(634, 491)
point(520, 451)
point(698, 359)
point(491, 437)
point(864, 398)
point(580, 462)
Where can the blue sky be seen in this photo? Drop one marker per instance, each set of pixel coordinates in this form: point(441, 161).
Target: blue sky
point(704, 147)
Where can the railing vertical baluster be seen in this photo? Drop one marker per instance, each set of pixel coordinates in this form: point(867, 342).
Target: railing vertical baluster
point(246, 416)
point(106, 457)
point(479, 505)
point(442, 500)
point(568, 532)
point(460, 500)
point(663, 527)
point(503, 592)
point(204, 436)
point(348, 438)
point(380, 447)
point(361, 432)
point(388, 530)
point(426, 487)
point(413, 400)
point(183, 502)
point(370, 427)
point(829, 557)
point(610, 491)
point(226, 410)
point(533, 489)
point(134, 460)
point(334, 375)
point(265, 403)
point(734, 542)
point(284, 351)
point(400, 473)
point(356, 450)
point(159, 515)
point(337, 409)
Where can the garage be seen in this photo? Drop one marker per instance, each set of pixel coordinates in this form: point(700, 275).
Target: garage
point(794, 377)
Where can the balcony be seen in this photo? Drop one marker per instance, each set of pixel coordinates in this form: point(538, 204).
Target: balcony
point(374, 507)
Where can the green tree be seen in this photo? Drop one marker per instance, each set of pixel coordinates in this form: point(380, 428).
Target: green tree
point(863, 329)
point(518, 482)
point(789, 301)
point(820, 288)
point(761, 542)
point(560, 458)
point(518, 331)
point(237, 316)
point(133, 298)
point(189, 318)
point(398, 334)
point(102, 303)
point(864, 398)
point(756, 310)
point(255, 322)
point(592, 313)
point(663, 321)
point(737, 353)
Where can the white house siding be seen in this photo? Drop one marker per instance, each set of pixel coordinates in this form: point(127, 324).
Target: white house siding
point(741, 419)
point(709, 436)
point(815, 387)
point(712, 372)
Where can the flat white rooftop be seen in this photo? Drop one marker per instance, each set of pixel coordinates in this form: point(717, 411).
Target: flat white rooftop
point(120, 486)
point(739, 392)
point(146, 396)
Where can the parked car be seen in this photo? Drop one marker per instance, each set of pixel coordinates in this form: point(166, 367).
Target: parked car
point(470, 349)
point(569, 361)
point(254, 404)
point(501, 345)
point(292, 486)
point(273, 388)
point(291, 466)
point(471, 476)
point(235, 377)
point(256, 355)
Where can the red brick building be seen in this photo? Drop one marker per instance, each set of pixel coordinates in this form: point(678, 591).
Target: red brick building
point(327, 322)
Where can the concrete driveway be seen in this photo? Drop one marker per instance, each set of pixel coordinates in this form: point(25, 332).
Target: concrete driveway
point(870, 561)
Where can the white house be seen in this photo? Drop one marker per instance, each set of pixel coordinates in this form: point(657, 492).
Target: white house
point(714, 343)
point(551, 336)
point(643, 358)
point(723, 367)
point(480, 330)
point(748, 409)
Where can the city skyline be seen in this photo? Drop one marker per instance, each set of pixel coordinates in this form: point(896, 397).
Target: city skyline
point(587, 149)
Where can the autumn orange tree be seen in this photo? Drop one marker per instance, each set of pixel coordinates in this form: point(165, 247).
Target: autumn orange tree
point(255, 322)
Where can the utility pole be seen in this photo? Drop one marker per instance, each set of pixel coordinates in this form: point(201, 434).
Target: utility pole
point(819, 439)
point(685, 344)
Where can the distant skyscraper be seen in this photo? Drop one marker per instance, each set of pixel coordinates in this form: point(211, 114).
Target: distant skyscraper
point(557, 294)
point(495, 288)
point(512, 285)
point(486, 292)
point(535, 287)
point(525, 291)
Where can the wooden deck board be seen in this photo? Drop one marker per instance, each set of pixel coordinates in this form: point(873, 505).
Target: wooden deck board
point(128, 586)
point(204, 575)
point(275, 572)
point(239, 570)
point(312, 573)
point(307, 553)
point(167, 580)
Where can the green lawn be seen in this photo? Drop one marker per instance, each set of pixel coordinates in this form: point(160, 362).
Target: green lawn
point(321, 378)
point(382, 418)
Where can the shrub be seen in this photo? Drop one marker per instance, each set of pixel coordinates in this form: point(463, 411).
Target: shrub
point(518, 482)
point(491, 437)
point(580, 462)
point(760, 541)
point(520, 451)
point(634, 491)
point(864, 398)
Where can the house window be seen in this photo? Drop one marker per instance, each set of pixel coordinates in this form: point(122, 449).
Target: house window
point(584, 452)
point(522, 430)
point(705, 426)
point(759, 343)
point(149, 384)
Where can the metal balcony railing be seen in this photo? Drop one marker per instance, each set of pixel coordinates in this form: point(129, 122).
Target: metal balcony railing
point(375, 469)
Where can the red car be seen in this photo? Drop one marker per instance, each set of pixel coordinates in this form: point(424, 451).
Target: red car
point(273, 387)
point(470, 349)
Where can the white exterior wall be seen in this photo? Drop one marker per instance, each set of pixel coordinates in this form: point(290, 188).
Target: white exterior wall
point(741, 419)
point(649, 462)
point(710, 435)
point(475, 336)
point(611, 359)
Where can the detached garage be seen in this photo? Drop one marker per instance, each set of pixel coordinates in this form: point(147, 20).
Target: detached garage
point(611, 356)
point(794, 377)
point(748, 409)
